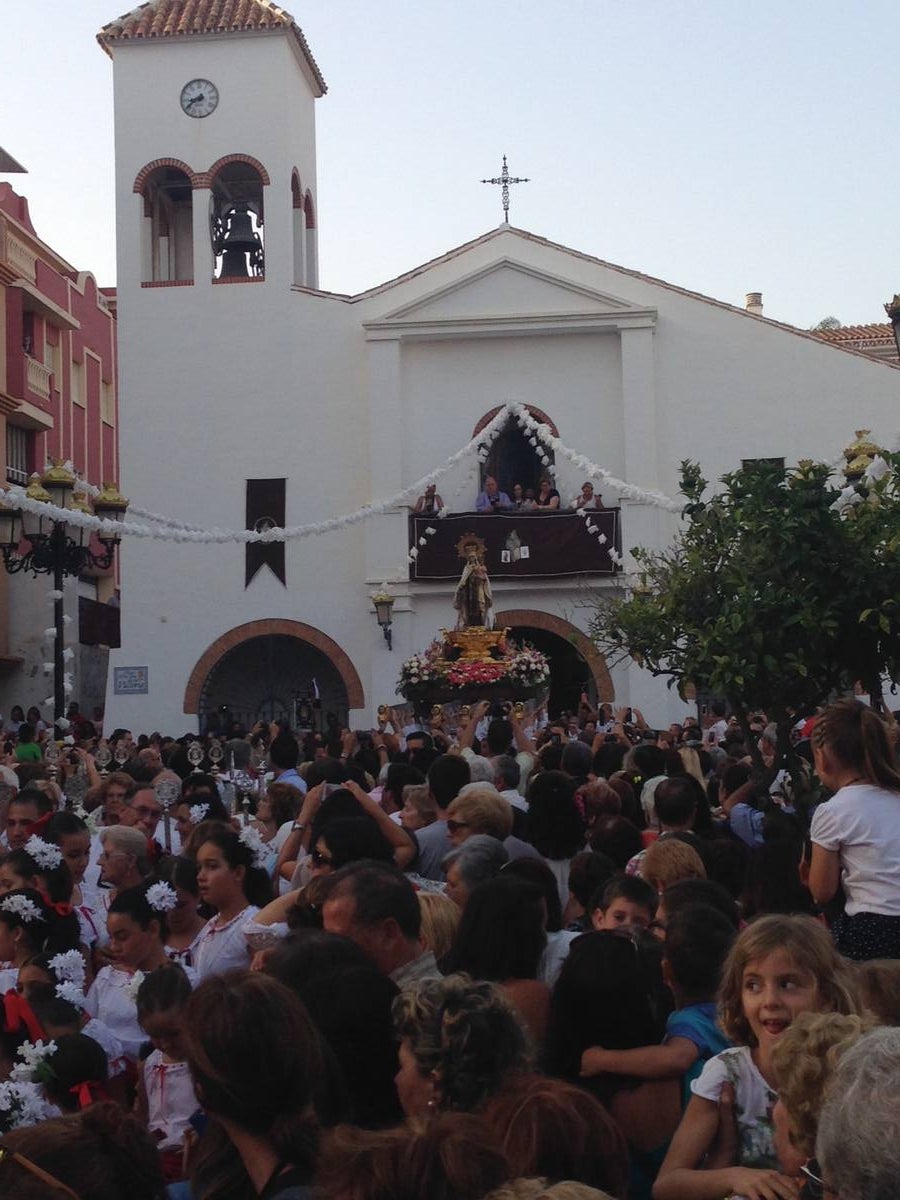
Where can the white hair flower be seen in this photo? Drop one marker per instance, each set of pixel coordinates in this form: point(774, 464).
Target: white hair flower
point(45, 854)
point(197, 813)
point(22, 907)
point(68, 967)
point(161, 897)
point(33, 1054)
point(71, 992)
point(254, 843)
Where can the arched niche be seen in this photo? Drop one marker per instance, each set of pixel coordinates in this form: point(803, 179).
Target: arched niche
point(167, 221)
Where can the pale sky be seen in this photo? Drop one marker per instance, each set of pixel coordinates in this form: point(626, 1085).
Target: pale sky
point(722, 147)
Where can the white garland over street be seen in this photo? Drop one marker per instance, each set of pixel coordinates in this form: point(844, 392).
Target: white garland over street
point(165, 528)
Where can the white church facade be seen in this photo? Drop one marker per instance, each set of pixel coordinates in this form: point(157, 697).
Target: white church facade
point(249, 396)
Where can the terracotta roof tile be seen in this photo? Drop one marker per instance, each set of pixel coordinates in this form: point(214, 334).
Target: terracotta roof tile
point(185, 18)
point(857, 333)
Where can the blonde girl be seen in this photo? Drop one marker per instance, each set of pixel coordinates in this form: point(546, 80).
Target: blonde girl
point(778, 968)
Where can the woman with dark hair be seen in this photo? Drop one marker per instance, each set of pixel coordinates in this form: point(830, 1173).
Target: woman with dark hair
point(101, 1153)
point(536, 871)
point(501, 937)
point(618, 839)
point(137, 930)
point(460, 1042)
point(856, 834)
point(555, 825)
point(347, 840)
point(232, 883)
point(192, 810)
point(254, 1057)
point(349, 1000)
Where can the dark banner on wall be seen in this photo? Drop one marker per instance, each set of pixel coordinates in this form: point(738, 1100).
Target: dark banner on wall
point(265, 510)
point(518, 545)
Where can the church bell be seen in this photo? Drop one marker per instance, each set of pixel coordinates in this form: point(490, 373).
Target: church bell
point(239, 243)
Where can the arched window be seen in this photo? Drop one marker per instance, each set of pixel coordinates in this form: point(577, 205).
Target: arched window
point(237, 217)
point(312, 248)
point(167, 226)
point(512, 458)
point(298, 226)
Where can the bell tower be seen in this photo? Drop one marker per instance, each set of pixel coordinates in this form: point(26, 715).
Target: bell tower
point(215, 145)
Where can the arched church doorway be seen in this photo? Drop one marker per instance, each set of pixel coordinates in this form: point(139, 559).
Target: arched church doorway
point(272, 670)
point(576, 665)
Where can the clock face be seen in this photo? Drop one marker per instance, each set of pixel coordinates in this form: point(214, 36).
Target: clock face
point(199, 98)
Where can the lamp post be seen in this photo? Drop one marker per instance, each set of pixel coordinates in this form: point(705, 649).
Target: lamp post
point(893, 312)
point(384, 604)
point(56, 548)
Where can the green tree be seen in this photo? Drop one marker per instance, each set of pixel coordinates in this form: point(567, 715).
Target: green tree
point(779, 591)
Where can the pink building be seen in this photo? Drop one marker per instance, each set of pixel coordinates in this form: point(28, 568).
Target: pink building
point(57, 401)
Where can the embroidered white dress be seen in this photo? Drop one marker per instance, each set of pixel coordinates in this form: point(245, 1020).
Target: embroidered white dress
point(224, 948)
point(171, 1101)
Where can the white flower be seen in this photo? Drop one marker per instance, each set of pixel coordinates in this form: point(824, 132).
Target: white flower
point(21, 907)
point(71, 992)
point(45, 854)
point(68, 967)
point(132, 986)
point(602, 539)
point(877, 469)
point(254, 843)
point(33, 1055)
point(197, 813)
point(431, 531)
point(161, 897)
point(592, 528)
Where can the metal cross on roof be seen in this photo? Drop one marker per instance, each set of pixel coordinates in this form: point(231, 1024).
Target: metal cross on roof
point(504, 179)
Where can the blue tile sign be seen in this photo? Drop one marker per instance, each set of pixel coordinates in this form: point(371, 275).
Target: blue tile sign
point(131, 681)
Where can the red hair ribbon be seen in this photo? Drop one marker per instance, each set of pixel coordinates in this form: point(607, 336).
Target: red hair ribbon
point(89, 1092)
point(60, 907)
point(38, 826)
point(16, 1013)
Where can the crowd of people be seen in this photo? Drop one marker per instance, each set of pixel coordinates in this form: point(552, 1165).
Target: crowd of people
point(523, 957)
point(543, 499)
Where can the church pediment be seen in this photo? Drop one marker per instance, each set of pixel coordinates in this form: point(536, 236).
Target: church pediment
point(507, 290)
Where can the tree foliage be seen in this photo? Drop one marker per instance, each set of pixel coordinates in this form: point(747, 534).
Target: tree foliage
point(780, 591)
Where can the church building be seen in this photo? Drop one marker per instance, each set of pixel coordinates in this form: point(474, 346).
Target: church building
point(251, 398)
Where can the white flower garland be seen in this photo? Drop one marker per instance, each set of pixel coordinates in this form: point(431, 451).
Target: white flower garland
point(168, 529)
point(47, 856)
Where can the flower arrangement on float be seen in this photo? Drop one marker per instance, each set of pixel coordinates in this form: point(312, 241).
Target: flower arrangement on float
point(438, 674)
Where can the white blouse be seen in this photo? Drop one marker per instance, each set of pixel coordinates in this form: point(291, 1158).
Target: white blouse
point(224, 948)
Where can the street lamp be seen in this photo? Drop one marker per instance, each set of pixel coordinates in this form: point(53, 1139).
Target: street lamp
point(384, 604)
point(893, 312)
point(52, 547)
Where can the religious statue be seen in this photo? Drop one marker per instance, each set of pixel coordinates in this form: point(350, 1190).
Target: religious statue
point(472, 599)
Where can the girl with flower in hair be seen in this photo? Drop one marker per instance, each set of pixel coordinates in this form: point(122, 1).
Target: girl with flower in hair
point(137, 929)
point(54, 985)
point(231, 880)
point(29, 926)
point(185, 925)
point(71, 834)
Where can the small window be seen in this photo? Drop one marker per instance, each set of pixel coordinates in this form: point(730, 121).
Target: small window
point(107, 403)
point(19, 453)
point(78, 396)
